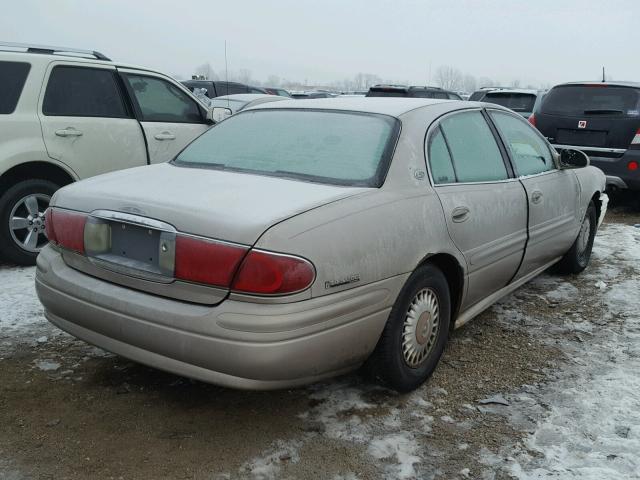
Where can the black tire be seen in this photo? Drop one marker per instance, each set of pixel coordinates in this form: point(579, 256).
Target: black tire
point(388, 363)
point(10, 249)
point(577, 257)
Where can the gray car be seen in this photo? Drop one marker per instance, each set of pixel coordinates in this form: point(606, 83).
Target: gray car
point(302, 239)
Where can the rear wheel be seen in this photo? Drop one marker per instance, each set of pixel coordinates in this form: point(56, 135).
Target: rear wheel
point(416, 332)
point(578, 256)
point(22, 223)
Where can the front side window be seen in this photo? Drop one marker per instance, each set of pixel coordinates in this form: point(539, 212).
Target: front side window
point(340, 148)
point(13, 75)
point(83, 92)
point(161, 101)
point(529, 152)
point(475, 153)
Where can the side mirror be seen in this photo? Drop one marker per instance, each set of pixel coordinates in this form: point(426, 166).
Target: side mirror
point(572, 158)
point(217, 114)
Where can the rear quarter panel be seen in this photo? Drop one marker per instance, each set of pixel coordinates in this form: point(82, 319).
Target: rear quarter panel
point(375, 235)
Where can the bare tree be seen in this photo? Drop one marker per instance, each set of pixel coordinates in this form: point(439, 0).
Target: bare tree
point(244, 75)
point(449, 77)
point(486, 82)
point(515, 83)
point(273, 81)
point(469, 83)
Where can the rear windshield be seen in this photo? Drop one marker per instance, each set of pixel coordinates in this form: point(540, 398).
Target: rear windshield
point(386, 93)
point(588, 99)
point(518, 102)
point(339, 148)
point(12, 78)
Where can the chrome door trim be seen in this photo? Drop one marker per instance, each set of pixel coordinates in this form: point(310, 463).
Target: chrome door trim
point(591, 149)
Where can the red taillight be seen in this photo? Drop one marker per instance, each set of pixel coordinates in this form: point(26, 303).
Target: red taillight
point(532, 119)
point(204, 261)
point(65, 228)
point(632, 165)
point(266, 273)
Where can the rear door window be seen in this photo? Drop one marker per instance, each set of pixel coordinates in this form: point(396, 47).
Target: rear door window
point(578, 100)
point(528, 151)
point(83, 92)
point(13, 75)
point(161, 101)
point(224, 88)
point(473, 148)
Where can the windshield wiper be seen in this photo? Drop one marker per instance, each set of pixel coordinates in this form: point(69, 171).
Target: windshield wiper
point(603, 111)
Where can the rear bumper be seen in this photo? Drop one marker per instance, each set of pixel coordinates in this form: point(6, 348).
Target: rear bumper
point(618, 174)
point(235, 344)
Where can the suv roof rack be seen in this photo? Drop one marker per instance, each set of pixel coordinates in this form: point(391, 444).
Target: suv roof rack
point(29, 48)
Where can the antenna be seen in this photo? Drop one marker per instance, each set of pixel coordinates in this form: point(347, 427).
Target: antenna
point(226, 74)
point(604, 79)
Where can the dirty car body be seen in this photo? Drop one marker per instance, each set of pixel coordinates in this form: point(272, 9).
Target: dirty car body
point(280, 247)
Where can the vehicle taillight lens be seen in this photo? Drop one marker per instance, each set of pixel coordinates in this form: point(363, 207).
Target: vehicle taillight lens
point(203, 261)
point(65, 228)
point(266, 273)
point(633, 165)
point(532, 119)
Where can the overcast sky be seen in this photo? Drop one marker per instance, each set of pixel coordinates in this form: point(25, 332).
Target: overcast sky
point(536, 41)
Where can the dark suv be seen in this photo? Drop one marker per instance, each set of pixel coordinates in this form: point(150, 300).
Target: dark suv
point(603, 120)
point(215, 89)
point(415, 92)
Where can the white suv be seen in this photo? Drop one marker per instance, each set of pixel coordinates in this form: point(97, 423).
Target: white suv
point(70, 114)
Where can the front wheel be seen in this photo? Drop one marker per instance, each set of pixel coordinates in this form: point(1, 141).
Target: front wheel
point(578, 256)
point(416, 332)
point(22, 223)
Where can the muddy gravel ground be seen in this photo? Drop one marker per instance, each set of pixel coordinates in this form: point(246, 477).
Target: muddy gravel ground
point(72, 411)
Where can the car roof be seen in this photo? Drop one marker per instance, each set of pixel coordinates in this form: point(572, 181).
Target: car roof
point(609, 83)
point(515, 90)
point(393, 106)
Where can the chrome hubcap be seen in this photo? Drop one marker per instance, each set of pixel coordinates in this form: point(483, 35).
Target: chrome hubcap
point(27, 223)
point(421, 325)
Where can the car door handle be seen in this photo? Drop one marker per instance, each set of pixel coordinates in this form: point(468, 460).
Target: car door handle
point(164, 136)
point(68, 132)
point(536, 197)
point(460, 214)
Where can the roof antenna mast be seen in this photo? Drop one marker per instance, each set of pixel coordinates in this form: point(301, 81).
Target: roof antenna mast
point(604, 79)
point(226, 73)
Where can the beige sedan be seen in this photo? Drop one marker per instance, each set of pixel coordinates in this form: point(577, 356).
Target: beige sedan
point(302, 239)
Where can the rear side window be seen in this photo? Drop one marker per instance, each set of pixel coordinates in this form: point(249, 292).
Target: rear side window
point(475, 153)
point(592, 99)
point(83, 92)
point(161, 101)
point(13, 75)
point(528, 151)
point(439, 160)
point(230, 88)
point(518, 102)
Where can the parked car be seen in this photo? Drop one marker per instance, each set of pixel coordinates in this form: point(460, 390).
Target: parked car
point(478, 95)
point(300, 239)
point(312, 94)
point(213, 89)
point(236, 103)
point(603, 120)
point(277, 91)
point(522, 101)
point(69, 114)
point(413, 92)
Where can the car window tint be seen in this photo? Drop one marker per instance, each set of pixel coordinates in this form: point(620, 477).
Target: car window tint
point(475, 153)
point(528, 151)
point(322, 146)
point(224, 88)
point(161, 101)
point(518, 102)
point(83, 92)
point(12, 78)
point(440, 160)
